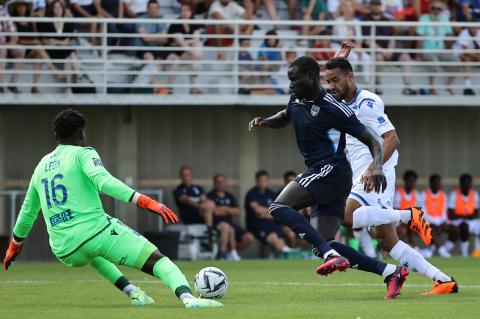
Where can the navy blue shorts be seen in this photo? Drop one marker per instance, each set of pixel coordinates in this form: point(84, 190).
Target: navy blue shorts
point(239, 231)
point(262, 228)
point(329, 187)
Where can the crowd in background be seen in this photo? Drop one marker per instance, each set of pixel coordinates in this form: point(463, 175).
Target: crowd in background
point(454, 217)
point(184, 41)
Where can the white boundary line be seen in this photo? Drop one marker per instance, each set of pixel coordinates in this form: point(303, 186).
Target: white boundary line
point(253, 283)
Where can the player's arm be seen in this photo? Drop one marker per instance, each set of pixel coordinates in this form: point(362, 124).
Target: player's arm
point(23, 225)
point(94, 170)
point(378, 178)
point(279, 120)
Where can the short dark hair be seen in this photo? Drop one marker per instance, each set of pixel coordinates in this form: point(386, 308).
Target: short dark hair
point(307, 64)
point(410, 173)
point(465, 177)
point(434, 177)
point(260, 173)
point(289, 173)
point(49, 10)
point(339, 63)
point(270, 34)
point(218, 175)
point(184, 167)
point(67, 123)
point(152, 2)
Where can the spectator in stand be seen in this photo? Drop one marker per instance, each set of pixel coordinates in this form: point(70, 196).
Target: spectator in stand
point(135, 8)
point(246, 66)
point(353, 34)
point(113, 9)
point(259, 220)
point(5, 26)
point(376, 14)
point(227, 10)
point(151, 37)
point(462, 212)
point(226, 208)
point(22, 8)
point(62, 35)
point(194, 207)
point(253, 6)
point(198, 6)
point(471, 9)
point(407, 196)
point(270, 51)
point(323, 50)
point(85, 9)
point(430, 46)
point(187, 38)
point(312, 10)
point(434, 204)
point(468, 39)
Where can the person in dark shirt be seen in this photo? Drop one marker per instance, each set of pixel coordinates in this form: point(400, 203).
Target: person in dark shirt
point(226, 208)
point(193, 205)
point(321, 122)
point(259, 221)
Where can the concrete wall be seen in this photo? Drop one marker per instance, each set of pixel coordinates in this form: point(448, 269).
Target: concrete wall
point(145, 146)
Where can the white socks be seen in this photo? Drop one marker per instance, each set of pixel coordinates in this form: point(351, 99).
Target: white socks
point(411, 259)
point(448, 245)
point(390, 269)
point(365, 242)
point(332, 252)
point(464, 245)
point(128, 289)
point(370, 216)
point(186, 296)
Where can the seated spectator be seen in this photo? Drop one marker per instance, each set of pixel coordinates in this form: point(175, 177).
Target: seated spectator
point(152, 36)
point(312, 10)
point(432, 45)
point(259, 220)
point(135, 8)
point(270, 51)
point(60, 35)
point(253, 6)
point(468, 39)
point(40, 6)
point(22, 8)
point(462, 213)
point(226, 208)
point(279, 80)
point(353, 34)
point(198, 6)
point(5, 26)
point(114, 9)
point(434, 204)
point(187, 38)
point(246, 66)
point(226, 10)
point(194, 207)
point(470, 10)
point(86, 9)
point(319, 53)
point(377, 14)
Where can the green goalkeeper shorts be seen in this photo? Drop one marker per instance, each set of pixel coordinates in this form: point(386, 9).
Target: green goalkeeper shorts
point(118, 244)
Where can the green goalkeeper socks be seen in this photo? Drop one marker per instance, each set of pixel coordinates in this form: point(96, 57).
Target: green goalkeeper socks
point(171, 276)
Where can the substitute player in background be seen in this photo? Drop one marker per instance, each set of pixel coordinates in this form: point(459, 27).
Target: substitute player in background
point(65, 186)
point(366, 208)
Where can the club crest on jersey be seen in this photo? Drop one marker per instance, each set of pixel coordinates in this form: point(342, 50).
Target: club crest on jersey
point(315, 110)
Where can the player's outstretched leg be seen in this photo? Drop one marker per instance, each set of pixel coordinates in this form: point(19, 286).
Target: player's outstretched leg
point(410, 258)
point(371, 216)
point(111, 273)
point(293, 197)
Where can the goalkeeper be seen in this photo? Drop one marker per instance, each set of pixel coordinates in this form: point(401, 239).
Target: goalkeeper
point(65, 186)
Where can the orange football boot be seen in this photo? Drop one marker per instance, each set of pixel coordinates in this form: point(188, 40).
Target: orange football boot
point(445, 287)
point(419, 225)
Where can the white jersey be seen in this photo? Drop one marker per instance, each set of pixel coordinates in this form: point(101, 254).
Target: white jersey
point(369, 109)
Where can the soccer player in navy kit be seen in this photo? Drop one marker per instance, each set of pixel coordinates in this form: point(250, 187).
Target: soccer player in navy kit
point(321, 122)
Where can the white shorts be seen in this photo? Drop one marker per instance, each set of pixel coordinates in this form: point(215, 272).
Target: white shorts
point(436, 220)
point(473, 224)
point(382, 200)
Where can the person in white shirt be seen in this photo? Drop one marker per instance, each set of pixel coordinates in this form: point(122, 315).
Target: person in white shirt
point(135, 8)
point(369, 209)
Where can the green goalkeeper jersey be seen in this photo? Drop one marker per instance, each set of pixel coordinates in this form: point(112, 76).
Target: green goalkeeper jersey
point(65, 186)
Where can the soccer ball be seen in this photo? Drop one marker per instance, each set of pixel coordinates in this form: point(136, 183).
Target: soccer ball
point(211, 282)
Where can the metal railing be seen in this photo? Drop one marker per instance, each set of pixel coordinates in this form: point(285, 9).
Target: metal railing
point(107, 64)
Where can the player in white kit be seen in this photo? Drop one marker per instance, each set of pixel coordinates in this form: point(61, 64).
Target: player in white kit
point(369, 209)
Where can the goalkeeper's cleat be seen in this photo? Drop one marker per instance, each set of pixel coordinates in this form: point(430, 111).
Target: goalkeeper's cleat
point(140, 298)
point(419, 225)
point(201, 303)
point(332, 264)
point(395, 282)
point(443, 287)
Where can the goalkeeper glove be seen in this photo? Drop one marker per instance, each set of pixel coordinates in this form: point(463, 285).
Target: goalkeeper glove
point(158, 208)
point(12, 252)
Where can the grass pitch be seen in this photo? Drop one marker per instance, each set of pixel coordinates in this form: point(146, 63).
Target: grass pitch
point(257, 289)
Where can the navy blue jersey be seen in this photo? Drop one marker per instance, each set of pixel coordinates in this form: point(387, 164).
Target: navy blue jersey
point(320, 128)
point(227, 200)
point(263, 199)
point(189, 214)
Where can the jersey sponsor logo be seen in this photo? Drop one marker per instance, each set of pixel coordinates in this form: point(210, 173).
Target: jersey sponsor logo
point(381, 120)
point(315, 109)
point(97, 161)
point(61, 218)
point(324, 171)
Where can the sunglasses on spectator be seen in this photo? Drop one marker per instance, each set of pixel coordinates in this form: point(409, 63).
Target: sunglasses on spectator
point(437, 8)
